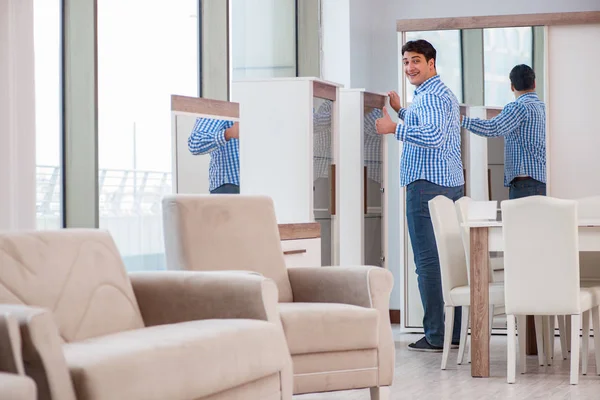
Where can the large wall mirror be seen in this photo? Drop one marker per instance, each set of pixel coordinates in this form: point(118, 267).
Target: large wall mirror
point(474, 58)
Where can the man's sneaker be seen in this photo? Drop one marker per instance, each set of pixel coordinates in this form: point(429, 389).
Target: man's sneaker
point(423, 345)
point(455, 345)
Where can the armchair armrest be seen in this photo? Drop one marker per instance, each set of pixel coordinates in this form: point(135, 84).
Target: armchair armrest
point(362, 286)
point(11, 359)
point(13, 386)
point(42, 352)
point(168, 297)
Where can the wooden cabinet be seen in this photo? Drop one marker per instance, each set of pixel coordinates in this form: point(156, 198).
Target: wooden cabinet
point(288, 138)
point(361, 179)
point(301, 244)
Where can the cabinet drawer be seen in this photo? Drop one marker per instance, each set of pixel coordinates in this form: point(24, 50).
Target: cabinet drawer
point(302, 252)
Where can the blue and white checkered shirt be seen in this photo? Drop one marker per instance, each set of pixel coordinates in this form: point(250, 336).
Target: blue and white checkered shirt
point(208, 136)
point(431, 136)
point(523, 125)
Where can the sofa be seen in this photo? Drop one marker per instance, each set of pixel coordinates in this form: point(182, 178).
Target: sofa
point(91, 331)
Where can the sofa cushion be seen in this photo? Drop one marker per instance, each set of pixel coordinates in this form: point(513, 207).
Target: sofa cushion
point(321, 327)
point(181, 361)
point(78, 274)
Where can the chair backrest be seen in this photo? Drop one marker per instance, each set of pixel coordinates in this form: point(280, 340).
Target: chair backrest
point(541, 256)
point(78, 274)
point(225, 232)
point(449, 244)
point(589, 261)
point(462, 212)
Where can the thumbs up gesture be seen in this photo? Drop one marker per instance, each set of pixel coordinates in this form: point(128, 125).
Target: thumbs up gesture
point(385, 125)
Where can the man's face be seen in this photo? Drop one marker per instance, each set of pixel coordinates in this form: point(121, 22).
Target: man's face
point(416, 68)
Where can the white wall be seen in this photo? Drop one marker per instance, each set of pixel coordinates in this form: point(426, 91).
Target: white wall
point(17, 116)
point(573, 133)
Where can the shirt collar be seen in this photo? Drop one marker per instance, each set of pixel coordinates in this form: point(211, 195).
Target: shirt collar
point(427, 84)
point(526, 96)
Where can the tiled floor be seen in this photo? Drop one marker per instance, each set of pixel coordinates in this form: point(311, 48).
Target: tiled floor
point(418, 376)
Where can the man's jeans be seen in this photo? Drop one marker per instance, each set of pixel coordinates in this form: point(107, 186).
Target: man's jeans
point(427, 261)
point(227, 188)
point(526, 187)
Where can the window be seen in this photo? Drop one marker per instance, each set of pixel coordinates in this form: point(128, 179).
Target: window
point(448, 63)
point(503, 48)
point(48, 94)
point(263, 38)
point(147, 51)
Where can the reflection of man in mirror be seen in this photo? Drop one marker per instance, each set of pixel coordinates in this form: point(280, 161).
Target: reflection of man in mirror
point(523, 125)
point(322, 157)
point(372, 144)
point(220, 138)
point(430, 166)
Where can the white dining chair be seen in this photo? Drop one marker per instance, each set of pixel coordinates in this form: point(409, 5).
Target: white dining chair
point(496, 264)
point(541, 275)
point(455, 287)
point(589, 262)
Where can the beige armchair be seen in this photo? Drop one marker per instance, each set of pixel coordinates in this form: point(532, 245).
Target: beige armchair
point(91, 332)
point(336, 319)
point(14, 385)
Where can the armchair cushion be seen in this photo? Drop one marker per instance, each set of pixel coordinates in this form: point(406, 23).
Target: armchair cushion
point(16, 387)
point(177, 362)
point(327, 327)
point(168, 297)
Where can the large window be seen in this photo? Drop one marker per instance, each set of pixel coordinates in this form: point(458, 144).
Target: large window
point(448, 63)
point(503, 48)
point(147, 51)
point(48, 94)
point(263, 38)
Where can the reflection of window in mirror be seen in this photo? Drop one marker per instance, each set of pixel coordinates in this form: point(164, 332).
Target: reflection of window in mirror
point(503, 48)
point(449, 59)
point(263, 38)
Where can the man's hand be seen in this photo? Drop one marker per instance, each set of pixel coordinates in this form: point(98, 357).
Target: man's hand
point(394, 101)
point(233, 132)
point(385, 124)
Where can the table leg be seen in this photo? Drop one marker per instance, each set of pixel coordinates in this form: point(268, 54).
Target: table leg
point(480, 331)
point(531, 343)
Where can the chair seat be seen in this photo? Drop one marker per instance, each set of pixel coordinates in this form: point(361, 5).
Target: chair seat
point(324, 327)
point(589, 296)
point(181, 361)
point(461, 296)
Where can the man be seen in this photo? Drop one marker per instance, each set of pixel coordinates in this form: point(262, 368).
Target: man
point(220, 138)
point(523, 125)
point(430, 166)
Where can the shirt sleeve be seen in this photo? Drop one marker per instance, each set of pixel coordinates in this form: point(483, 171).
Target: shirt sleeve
point(208, 135)
point(432, 115)
point(402, 113)
point(501, 125)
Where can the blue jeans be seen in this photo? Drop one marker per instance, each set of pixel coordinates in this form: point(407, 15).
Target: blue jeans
point(227, 188)
point(426, 256)
point(526, 187)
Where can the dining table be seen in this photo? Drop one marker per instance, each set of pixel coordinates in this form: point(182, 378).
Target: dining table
point(485, 237)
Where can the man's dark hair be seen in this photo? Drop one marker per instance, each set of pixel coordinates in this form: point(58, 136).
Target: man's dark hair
point(421, 47)
point(522, 77)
